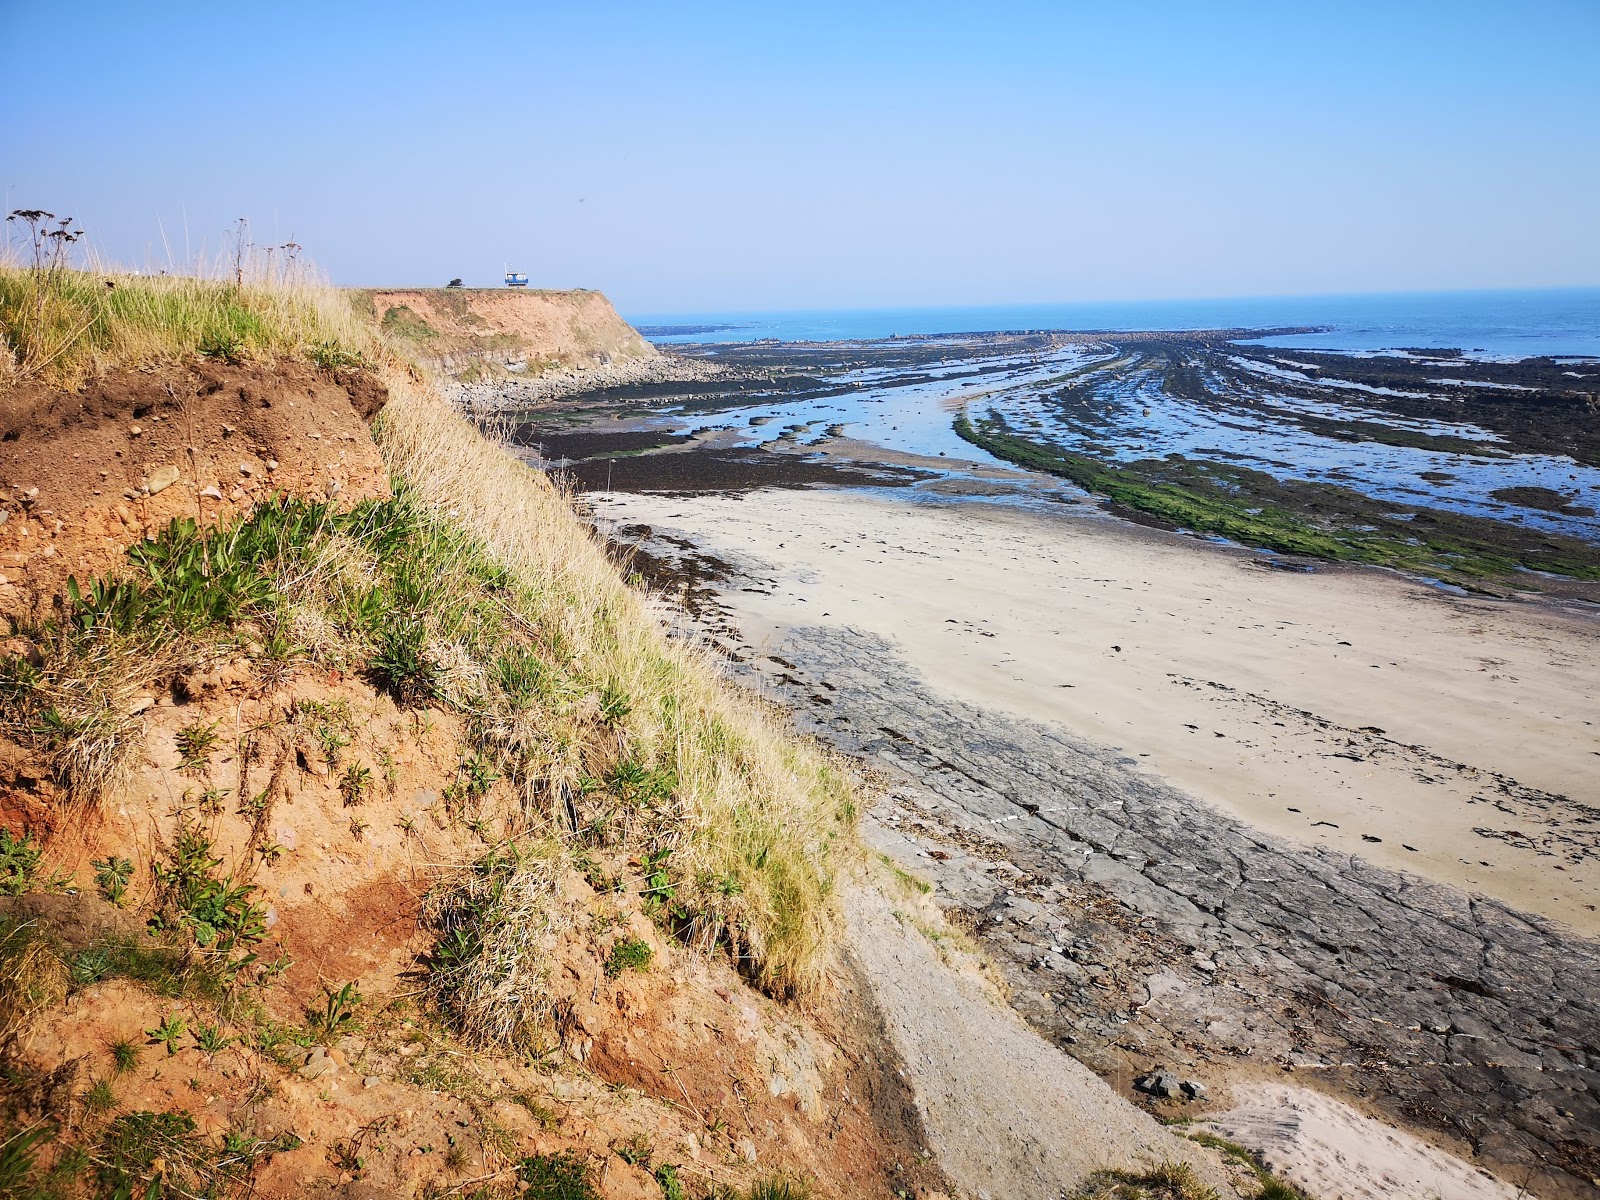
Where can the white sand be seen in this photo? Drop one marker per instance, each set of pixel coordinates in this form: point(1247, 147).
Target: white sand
point(1333, 1152)
point(1120, 634)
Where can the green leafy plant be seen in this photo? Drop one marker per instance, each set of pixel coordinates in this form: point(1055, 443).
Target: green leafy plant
point(671, 1186)
point(111, 876)
point(167, 1033)
point(338, 1012)
point(330, 725)
point(628, 954)
point(330, 355)
point(659, 888)
point(210, 1038)
point(636, 1151)
point(219, 913)
point(614, 705)
point(195, 744)
point(355, 783)
point(19, 863)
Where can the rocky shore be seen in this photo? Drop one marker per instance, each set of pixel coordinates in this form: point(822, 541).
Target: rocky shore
point(1144, 930)
point(511, 394)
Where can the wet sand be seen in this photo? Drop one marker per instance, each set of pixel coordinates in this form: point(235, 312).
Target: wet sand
point(1452, 738)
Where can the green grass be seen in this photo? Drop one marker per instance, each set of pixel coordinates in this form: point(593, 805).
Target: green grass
point(1272, 1188)
point(772, 1187)
point(22, 1175)
point(567, 1175)
point(628, 954)
point(124, 1057)
point(1167, 1181)
point(138, 1148)
point(62, 327)
point(402, 322)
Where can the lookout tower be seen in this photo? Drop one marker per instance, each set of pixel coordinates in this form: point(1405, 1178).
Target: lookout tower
point(516, 279)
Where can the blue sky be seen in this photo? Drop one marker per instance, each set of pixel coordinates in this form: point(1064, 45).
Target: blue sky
point(687, 157)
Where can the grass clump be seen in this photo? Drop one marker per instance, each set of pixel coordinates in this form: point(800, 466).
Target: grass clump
point(619, 738)
point(628, 954)
point(496, 922)
point(772, 1187)
point(124, 1057)
point(32, 975)
point(150, 1154)
point(566, 1175)
point(1167, 1181)
point(1272, 1188)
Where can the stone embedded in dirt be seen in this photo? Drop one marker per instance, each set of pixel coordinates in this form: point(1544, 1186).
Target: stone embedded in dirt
point(134, 431)
point(317, 1064)
point(246, 470)
point(211, 492)
point(162, 478)
point(1162, 1084)
point(1193, 1089)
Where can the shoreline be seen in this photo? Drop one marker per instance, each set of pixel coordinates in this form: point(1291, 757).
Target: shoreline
point(1140, 922)
point(1296, 702)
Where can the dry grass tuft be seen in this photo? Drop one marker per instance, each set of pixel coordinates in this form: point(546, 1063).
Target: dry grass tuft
point(1166, 1181)
point(32, 976)
point(76, 707)
point(753, 822)
point(499, 922)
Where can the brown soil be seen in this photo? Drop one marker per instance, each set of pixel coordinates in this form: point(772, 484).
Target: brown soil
point(83, 474)
point(718, 1078)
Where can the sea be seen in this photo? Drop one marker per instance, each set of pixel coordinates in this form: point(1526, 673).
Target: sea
point(1487, 324)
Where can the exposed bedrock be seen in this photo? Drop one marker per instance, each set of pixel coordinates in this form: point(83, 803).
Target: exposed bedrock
point(1141, 928)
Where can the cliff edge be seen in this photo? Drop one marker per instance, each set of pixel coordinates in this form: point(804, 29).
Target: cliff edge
point(470, 333)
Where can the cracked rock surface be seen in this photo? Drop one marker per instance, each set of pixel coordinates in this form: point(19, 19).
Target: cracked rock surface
point(1141, 928)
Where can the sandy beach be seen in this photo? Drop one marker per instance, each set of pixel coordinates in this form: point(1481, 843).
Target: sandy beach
point(1451, 737)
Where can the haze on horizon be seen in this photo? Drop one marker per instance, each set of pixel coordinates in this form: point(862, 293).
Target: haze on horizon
point(721, 157)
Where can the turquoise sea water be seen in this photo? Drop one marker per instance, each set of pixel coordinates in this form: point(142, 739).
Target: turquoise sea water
point(1500, 324)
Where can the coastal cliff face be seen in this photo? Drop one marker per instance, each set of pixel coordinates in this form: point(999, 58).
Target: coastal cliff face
point(472, 332)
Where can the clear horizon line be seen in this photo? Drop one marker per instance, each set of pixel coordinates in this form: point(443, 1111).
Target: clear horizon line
point(1016, 304)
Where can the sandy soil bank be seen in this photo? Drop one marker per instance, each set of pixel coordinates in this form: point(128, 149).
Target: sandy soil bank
point(1450, 737)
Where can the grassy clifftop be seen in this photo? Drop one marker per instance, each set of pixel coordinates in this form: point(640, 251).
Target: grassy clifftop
point(436, 716)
